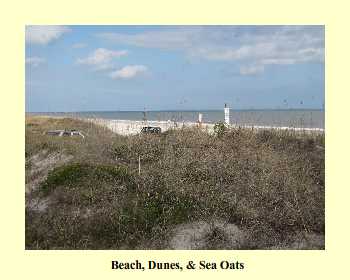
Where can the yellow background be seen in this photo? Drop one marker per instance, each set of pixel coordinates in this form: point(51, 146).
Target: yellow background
point(16, 263)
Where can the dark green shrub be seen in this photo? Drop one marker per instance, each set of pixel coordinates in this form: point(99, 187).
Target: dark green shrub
point(78, 174)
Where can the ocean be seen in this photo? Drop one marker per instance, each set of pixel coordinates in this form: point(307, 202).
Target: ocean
point(289, 118)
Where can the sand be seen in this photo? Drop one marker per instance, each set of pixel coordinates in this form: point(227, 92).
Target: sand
point(129, 127)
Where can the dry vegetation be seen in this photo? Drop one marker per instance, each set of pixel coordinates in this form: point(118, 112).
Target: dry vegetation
point(267, 187)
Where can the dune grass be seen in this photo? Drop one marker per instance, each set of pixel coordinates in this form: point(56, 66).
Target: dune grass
point(269, 183)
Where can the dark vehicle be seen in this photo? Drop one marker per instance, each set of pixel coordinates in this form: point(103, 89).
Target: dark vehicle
point(151, 129)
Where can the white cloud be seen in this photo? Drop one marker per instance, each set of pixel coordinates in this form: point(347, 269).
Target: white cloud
point(266, 53)
point(249, 45)
point(44, 34)
point(128, 72)
point(35, 61)
point(169, 39)
point(101, 58)
point(251, 70)
point(79, 45)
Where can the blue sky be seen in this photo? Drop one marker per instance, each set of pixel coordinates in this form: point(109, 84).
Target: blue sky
point(91, 68)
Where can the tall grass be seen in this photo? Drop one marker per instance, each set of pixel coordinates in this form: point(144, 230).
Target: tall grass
point(269, 183)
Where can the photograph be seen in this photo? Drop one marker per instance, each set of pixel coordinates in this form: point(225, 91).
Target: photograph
point(174, 137)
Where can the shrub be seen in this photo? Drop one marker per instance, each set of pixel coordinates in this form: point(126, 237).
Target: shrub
point(220, 129)
point(80, 175)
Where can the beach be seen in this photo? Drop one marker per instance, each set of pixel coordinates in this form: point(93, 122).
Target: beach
point(132, 127)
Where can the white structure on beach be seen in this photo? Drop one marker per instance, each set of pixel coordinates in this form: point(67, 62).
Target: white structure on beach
point(200, 116)
point(227, 114)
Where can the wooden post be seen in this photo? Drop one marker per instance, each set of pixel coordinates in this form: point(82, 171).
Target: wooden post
point(139, 165)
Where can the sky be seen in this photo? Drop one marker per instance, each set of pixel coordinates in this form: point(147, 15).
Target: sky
point(127, 68)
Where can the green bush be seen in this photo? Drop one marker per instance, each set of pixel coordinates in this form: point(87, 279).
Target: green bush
point(80, 174)
point(220, 129)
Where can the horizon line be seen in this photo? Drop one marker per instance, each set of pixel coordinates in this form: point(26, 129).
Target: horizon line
point(187, 110)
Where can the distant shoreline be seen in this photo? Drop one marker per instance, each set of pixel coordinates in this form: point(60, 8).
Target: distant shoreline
point(162, 111)
point(277, 118)
point(132, 127)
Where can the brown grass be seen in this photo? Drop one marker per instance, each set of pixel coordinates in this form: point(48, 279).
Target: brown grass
point(268, 183)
